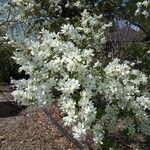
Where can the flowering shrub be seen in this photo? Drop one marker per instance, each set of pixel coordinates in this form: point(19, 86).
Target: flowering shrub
point(66, 67)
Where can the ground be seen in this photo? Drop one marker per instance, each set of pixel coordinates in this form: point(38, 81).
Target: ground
point(32, 131)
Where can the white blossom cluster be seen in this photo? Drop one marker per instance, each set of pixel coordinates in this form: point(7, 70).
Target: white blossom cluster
point(17, 2)
point(53, 63)
point(122, 82)
point(143, 8)
point(66, 64)
point(123, 93)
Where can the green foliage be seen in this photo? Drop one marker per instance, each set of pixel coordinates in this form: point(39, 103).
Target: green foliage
point(138, 52)
point(8, 67)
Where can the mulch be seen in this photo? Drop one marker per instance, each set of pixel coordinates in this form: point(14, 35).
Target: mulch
point(31, 130)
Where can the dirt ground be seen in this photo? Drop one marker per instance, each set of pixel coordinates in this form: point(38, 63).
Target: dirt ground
point(33, 131)
point(30, 131)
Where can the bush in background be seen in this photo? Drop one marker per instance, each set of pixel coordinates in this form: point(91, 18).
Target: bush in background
point(8, 67)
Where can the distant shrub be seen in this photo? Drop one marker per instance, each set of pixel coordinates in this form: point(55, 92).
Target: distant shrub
point(139, 54)
point(8, 67)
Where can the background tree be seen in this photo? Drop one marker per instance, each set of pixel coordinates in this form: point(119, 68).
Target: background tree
point(125, 10)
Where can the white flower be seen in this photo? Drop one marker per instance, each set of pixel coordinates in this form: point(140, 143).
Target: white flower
point(145, 13)
point(97, 64)
point(70, 119)
point(72, 66)
point(88, 113)
point(116, 69)
point(137, 12)
point(144, 102)
point(17, 1)
point(86, 95)
point(79, 131)
point(145, 3)
point(142, 8)
point(67, 105)
point(139, 4)
point(69, 86)
point(68, 29)
point(98, 133)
